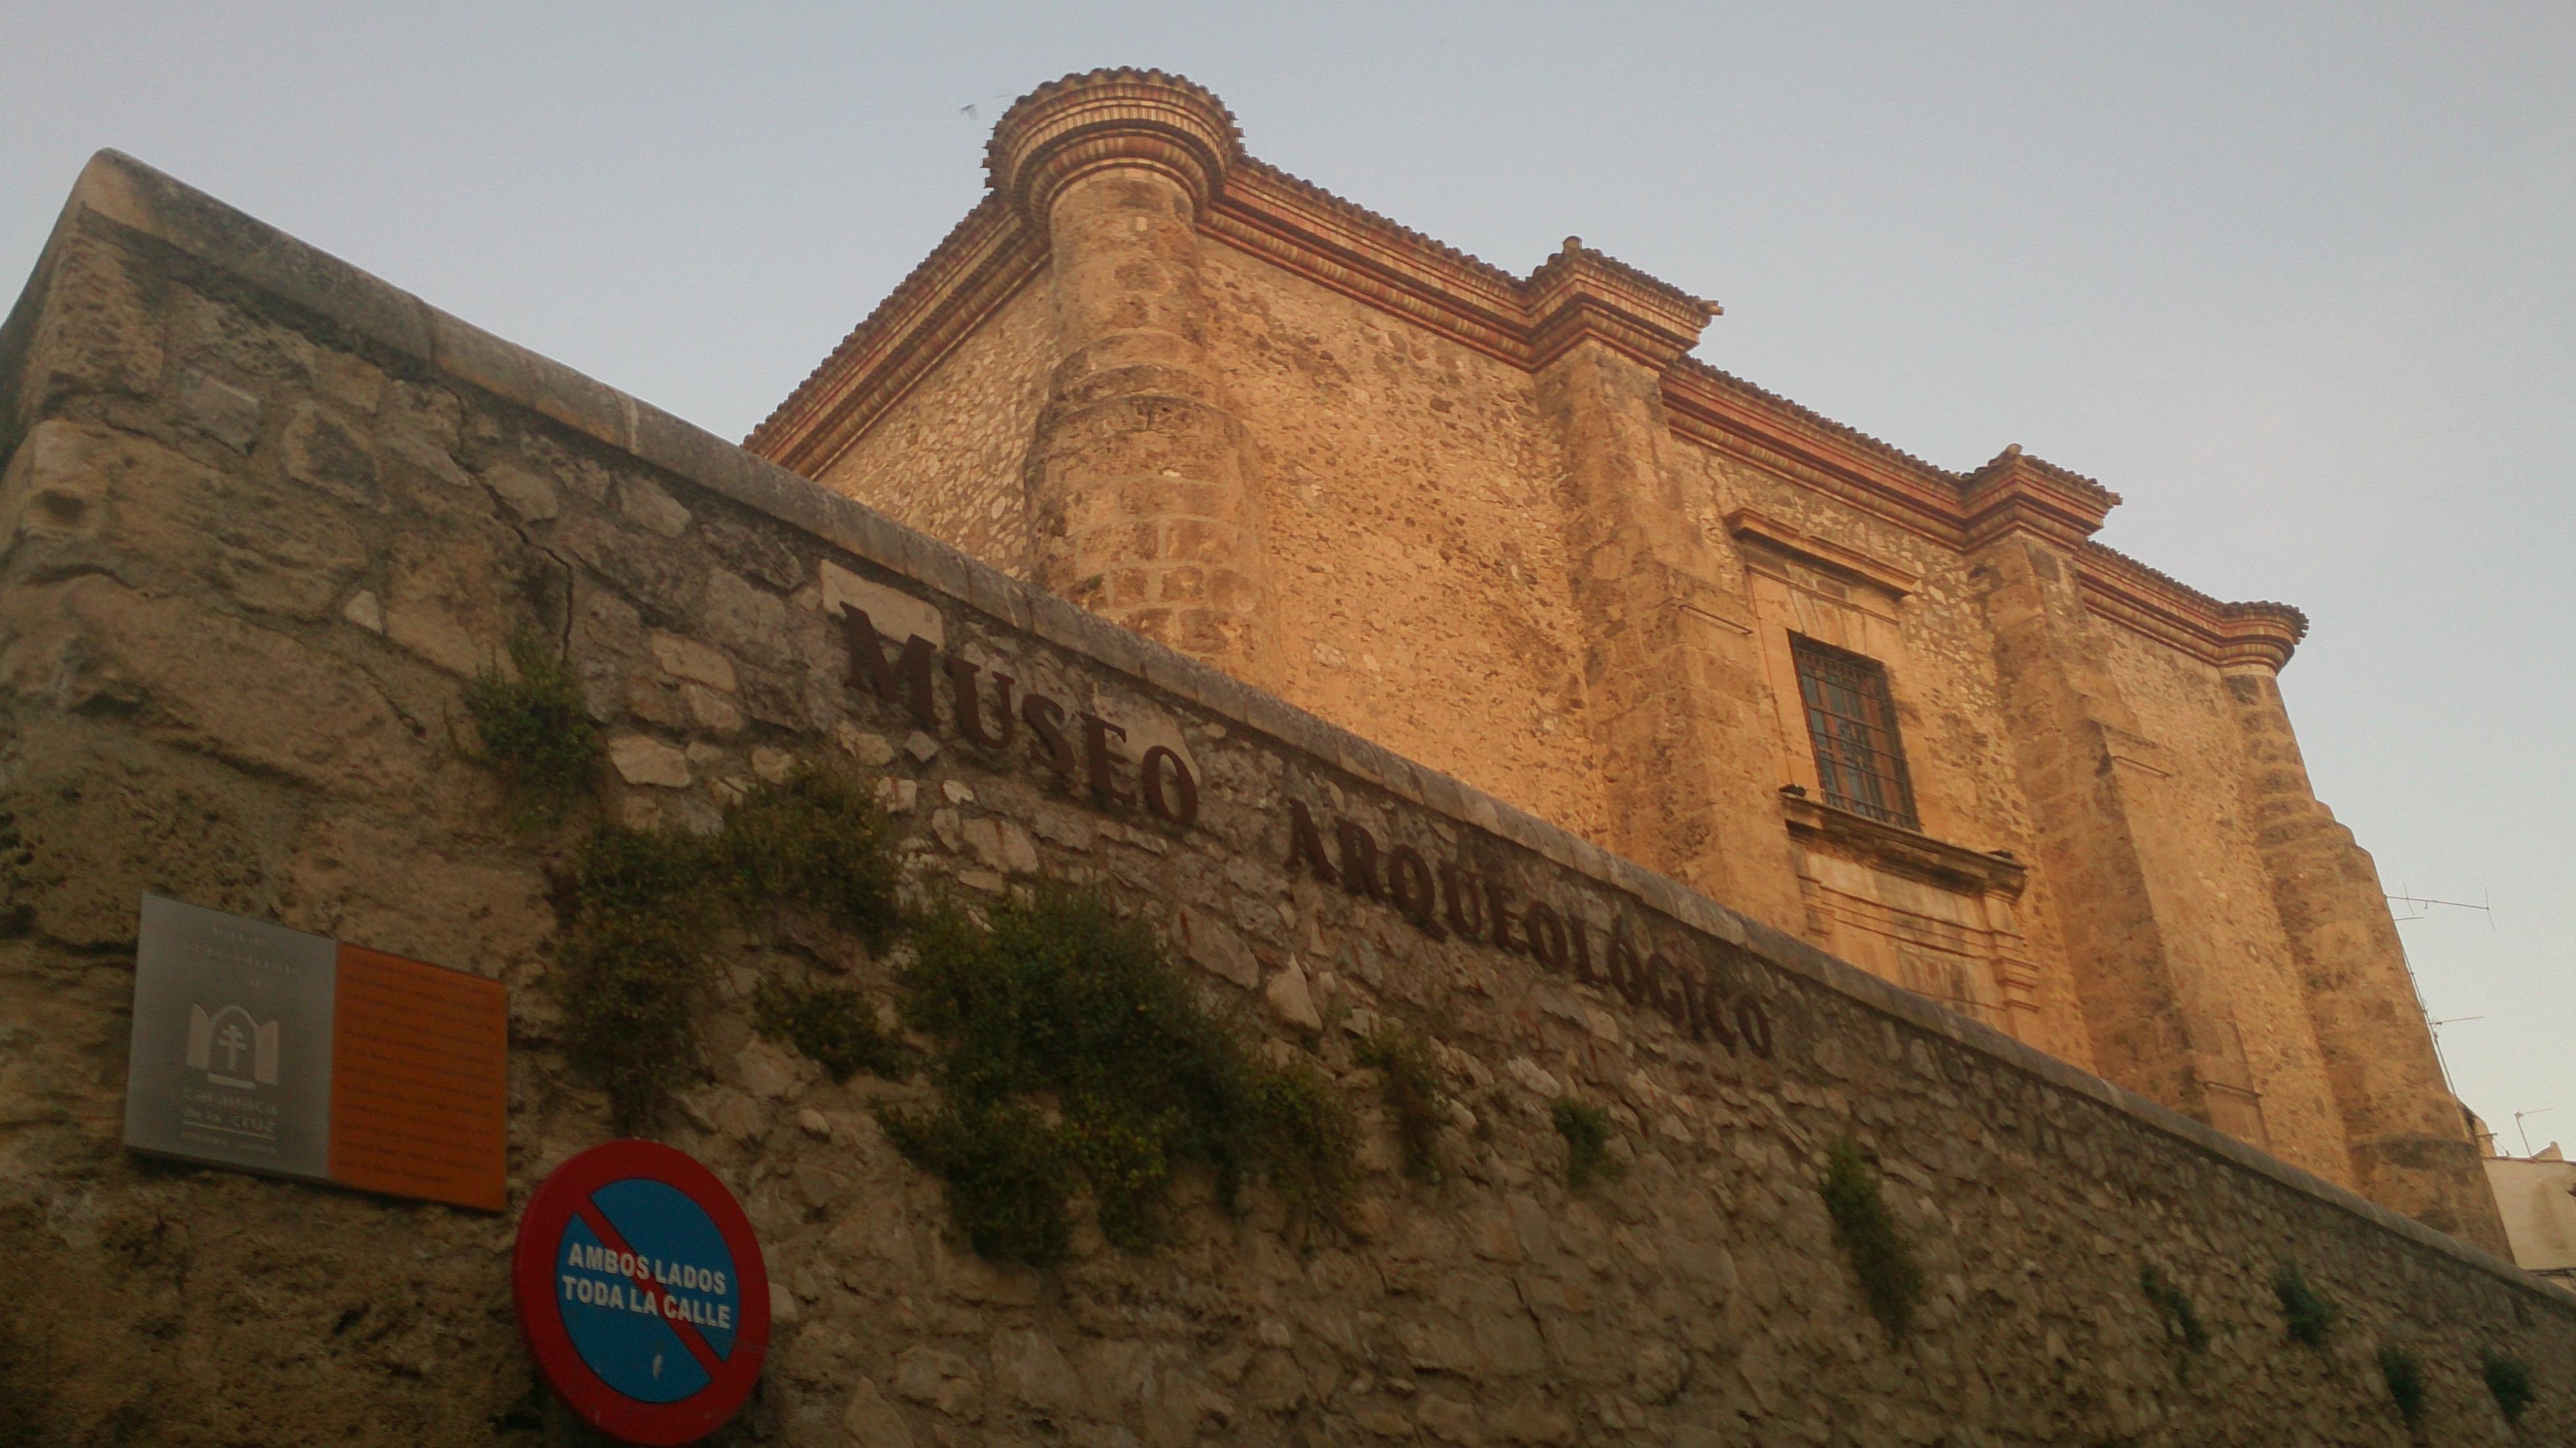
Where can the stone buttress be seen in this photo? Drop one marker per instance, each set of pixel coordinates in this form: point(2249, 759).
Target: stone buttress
point(2100, 791)
point(1142, 480)
point(2407, 1134)
point(1676, 694)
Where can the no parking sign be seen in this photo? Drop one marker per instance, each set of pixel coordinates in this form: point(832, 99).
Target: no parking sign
point(641, 1293)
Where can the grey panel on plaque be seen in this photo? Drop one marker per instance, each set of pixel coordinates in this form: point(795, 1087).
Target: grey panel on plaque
point(231, 1058)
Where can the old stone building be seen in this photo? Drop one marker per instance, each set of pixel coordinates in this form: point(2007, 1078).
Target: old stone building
point(278, 541)
point(1511, 528)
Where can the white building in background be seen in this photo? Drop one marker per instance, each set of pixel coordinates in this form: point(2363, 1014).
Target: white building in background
point(2536, 1196)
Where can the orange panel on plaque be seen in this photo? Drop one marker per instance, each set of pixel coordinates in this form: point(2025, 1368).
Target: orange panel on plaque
point(420, 1066)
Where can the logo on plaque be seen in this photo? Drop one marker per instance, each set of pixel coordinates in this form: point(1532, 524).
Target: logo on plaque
point(229, 1046)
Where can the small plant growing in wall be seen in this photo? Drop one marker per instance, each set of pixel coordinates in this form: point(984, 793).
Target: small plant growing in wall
point(2403, 1372)
point(1586, 1129)
point(836, 1029)
point(642, 908)
point(1414, 1097)
point(2182, 1319)
point(2509, 1381)
point(2309, 1317)
point(1868, 1233)
point(535, 735)
point(1075, 1060)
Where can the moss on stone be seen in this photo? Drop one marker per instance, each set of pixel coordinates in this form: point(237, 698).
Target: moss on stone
point(2403, 1372)
point(1890, 1279)
point(643, 908)
point(1075, 1059)
point(835, 1028)
point(1414, 1097)
point(2175, 1306)
point(2509, 1381)
point(1586, 1129)
point(534, 734)
point(2308, 1317)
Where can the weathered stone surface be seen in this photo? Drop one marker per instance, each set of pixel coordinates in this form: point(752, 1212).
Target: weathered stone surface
point(650, 508)
point(686, 658)
point(942, 1380)
point(642, 759)
point(530, 495)
point(183, 720)
point(1290, 998)
point(873, 1422)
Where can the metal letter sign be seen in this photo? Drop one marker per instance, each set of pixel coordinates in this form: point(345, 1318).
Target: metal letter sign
point(641, 1293)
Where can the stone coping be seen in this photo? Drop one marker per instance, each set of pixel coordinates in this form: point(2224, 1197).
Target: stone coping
point(117, 189)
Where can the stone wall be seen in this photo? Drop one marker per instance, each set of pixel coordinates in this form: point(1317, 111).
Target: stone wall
point(266, 516)
point(949, 457)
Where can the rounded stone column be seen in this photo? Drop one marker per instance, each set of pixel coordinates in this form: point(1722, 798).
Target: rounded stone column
point(1144, 483)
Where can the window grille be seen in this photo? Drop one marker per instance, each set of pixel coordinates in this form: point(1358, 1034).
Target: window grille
point(1853, 724)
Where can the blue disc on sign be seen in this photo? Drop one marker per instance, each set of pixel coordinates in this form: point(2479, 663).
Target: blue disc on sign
point(641, 1292)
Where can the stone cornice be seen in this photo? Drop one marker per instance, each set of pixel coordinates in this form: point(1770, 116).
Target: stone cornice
point(2019, 493)
point(1148, 118)
point(1733, 416)
point(974, 269)
point(2121, 590)
point(1068, 128)
point(1301, 228)
point(1823, 553)
point(1582, 295)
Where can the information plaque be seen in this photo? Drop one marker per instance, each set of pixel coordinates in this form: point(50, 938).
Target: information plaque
point(268, 1049)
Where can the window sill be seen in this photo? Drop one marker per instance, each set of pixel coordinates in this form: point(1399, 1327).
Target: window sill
point(1902, 851)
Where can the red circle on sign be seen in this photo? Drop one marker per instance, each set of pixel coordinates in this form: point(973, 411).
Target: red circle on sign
point(549, 1339)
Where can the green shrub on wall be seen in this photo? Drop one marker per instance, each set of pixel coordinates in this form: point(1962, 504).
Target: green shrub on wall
point(2174, 1305)
point(1075, 1059)
point(1414, 1098)
point(2308, 1317)
point(1868, 1233)
point(1586, 1129)
point(641, 909)
point(534, 734)
point(2403, 1372)
point(836, 1029)
point(2509, 1381)
point(630, 963)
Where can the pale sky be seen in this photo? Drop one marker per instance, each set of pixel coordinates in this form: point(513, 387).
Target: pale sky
point(2297, 280)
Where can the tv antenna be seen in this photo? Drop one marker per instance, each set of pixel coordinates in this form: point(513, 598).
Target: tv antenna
point(2423, 905)
point(2525, 1130)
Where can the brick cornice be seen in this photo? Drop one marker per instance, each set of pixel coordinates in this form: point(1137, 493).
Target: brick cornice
point(1735, 417)
point(969, 275)
point(1068, 128)
point(1164, 122)
point(2018, 493)
point(2121, 590)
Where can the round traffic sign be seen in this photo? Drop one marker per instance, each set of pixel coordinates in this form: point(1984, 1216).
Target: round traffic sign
point(641, 1292)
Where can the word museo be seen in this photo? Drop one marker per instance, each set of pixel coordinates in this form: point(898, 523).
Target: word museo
point(1439, 902)
point(1169, 791)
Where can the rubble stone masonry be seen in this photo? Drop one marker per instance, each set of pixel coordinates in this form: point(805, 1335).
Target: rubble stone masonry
point(265, 517)
point(1506, 526)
